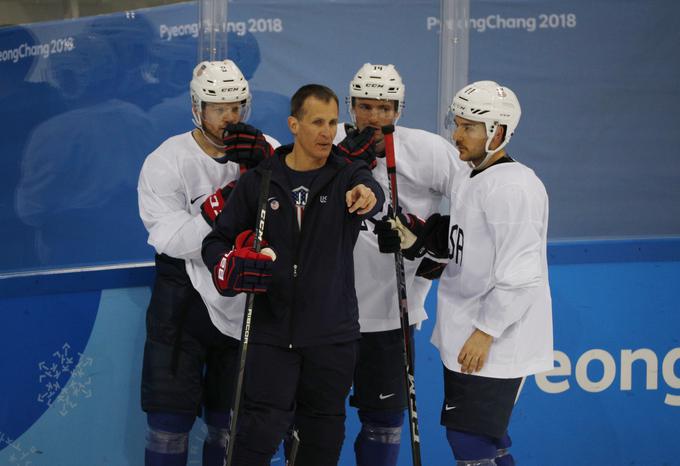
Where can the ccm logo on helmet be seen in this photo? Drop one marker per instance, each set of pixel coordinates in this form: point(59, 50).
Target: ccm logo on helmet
point(375, 85)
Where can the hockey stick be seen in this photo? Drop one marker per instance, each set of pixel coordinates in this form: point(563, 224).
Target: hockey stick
point(409, 376)
point(247, 320)
point(294, 444)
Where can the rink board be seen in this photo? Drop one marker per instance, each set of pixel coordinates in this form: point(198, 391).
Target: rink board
point(71, 367)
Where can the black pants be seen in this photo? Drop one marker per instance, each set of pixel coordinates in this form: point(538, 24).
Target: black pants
point(479, 405)
point(188, 363)
point(304, 386)
point(379, 382)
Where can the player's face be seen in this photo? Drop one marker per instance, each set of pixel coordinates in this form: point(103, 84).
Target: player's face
point(315, 130)
point(216, 117)
point(375, 113)
point(470, 139)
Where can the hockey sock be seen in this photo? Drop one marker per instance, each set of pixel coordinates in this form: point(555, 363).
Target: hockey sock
point(379, 440)
point(215, 444)
point(471, 449)
point(167, 439)
point(503, 456)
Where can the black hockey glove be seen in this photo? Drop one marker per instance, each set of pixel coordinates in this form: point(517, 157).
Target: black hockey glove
point(359, 145)
point(214, 204)
point(242, 269)
point(430, 269)
point(245, 144)
point(405, 233)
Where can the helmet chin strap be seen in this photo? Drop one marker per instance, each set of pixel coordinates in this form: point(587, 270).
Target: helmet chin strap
point(196, 119)
point(209, 139)
point(489, 153)
point(485, 162)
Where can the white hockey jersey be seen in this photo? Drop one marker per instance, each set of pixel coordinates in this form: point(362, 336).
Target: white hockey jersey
point(497, 276)
point(174, 181)
point(425, 164)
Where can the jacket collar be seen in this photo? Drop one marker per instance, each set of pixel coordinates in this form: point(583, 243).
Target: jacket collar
point(334, 164)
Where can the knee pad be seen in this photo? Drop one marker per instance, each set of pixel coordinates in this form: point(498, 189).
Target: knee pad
point(381, 426)
point(168, 433)
point(472, 449)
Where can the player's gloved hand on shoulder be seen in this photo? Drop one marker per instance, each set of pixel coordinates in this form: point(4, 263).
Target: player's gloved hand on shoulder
point(245, 144)
point(214, 203)
point(359, 145)
point(404, 232)
point(243, 269)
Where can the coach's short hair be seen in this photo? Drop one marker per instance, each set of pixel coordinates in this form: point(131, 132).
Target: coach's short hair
point(318, 91)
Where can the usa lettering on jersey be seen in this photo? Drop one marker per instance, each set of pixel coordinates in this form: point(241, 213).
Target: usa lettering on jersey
point(456, 240)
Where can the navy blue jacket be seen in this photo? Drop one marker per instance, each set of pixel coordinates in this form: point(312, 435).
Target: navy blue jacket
point(311, 300)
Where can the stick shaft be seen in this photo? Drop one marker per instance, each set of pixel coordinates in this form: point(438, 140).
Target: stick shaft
point(409, 376)
point(247, 321)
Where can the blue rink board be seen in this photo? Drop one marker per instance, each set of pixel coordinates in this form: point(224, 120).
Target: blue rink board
point(89, 345)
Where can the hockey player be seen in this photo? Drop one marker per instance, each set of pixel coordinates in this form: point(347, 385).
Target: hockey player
point(425, 164)
point(192, 331)
point(494, 312)
point(303, 340)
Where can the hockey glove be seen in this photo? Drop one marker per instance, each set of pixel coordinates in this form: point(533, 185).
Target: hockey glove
point(214, 204)
point(359, 145)
point(404, 233)
point(245, 144)
point(430, 269)
point(242, 269)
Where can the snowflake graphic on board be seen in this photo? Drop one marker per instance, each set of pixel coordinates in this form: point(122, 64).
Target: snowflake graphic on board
point(18, 455)
point(64, 379)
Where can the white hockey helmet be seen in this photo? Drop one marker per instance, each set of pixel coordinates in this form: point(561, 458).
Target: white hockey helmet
point(218, 82)
point(380, 82)
point(490, 103)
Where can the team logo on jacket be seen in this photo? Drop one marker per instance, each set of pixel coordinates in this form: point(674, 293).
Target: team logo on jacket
point(323, 199)
point(273, 203)
point(300, 195)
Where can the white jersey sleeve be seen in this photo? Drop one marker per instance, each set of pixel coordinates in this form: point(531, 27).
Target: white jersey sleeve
point(425, 163)
point(175, 180)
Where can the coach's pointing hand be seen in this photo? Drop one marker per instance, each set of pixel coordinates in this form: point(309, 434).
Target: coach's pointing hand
point(360, 199)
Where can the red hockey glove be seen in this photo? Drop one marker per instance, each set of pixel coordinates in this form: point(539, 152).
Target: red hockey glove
point(214, 204)
point(242, 269)
point(245, 144)
point(359, 145)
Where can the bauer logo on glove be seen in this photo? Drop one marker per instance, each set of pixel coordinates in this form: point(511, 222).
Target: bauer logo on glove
point(244, 270)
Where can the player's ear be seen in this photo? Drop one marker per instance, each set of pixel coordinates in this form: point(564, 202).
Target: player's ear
point(498, 137)
point(293, 125)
